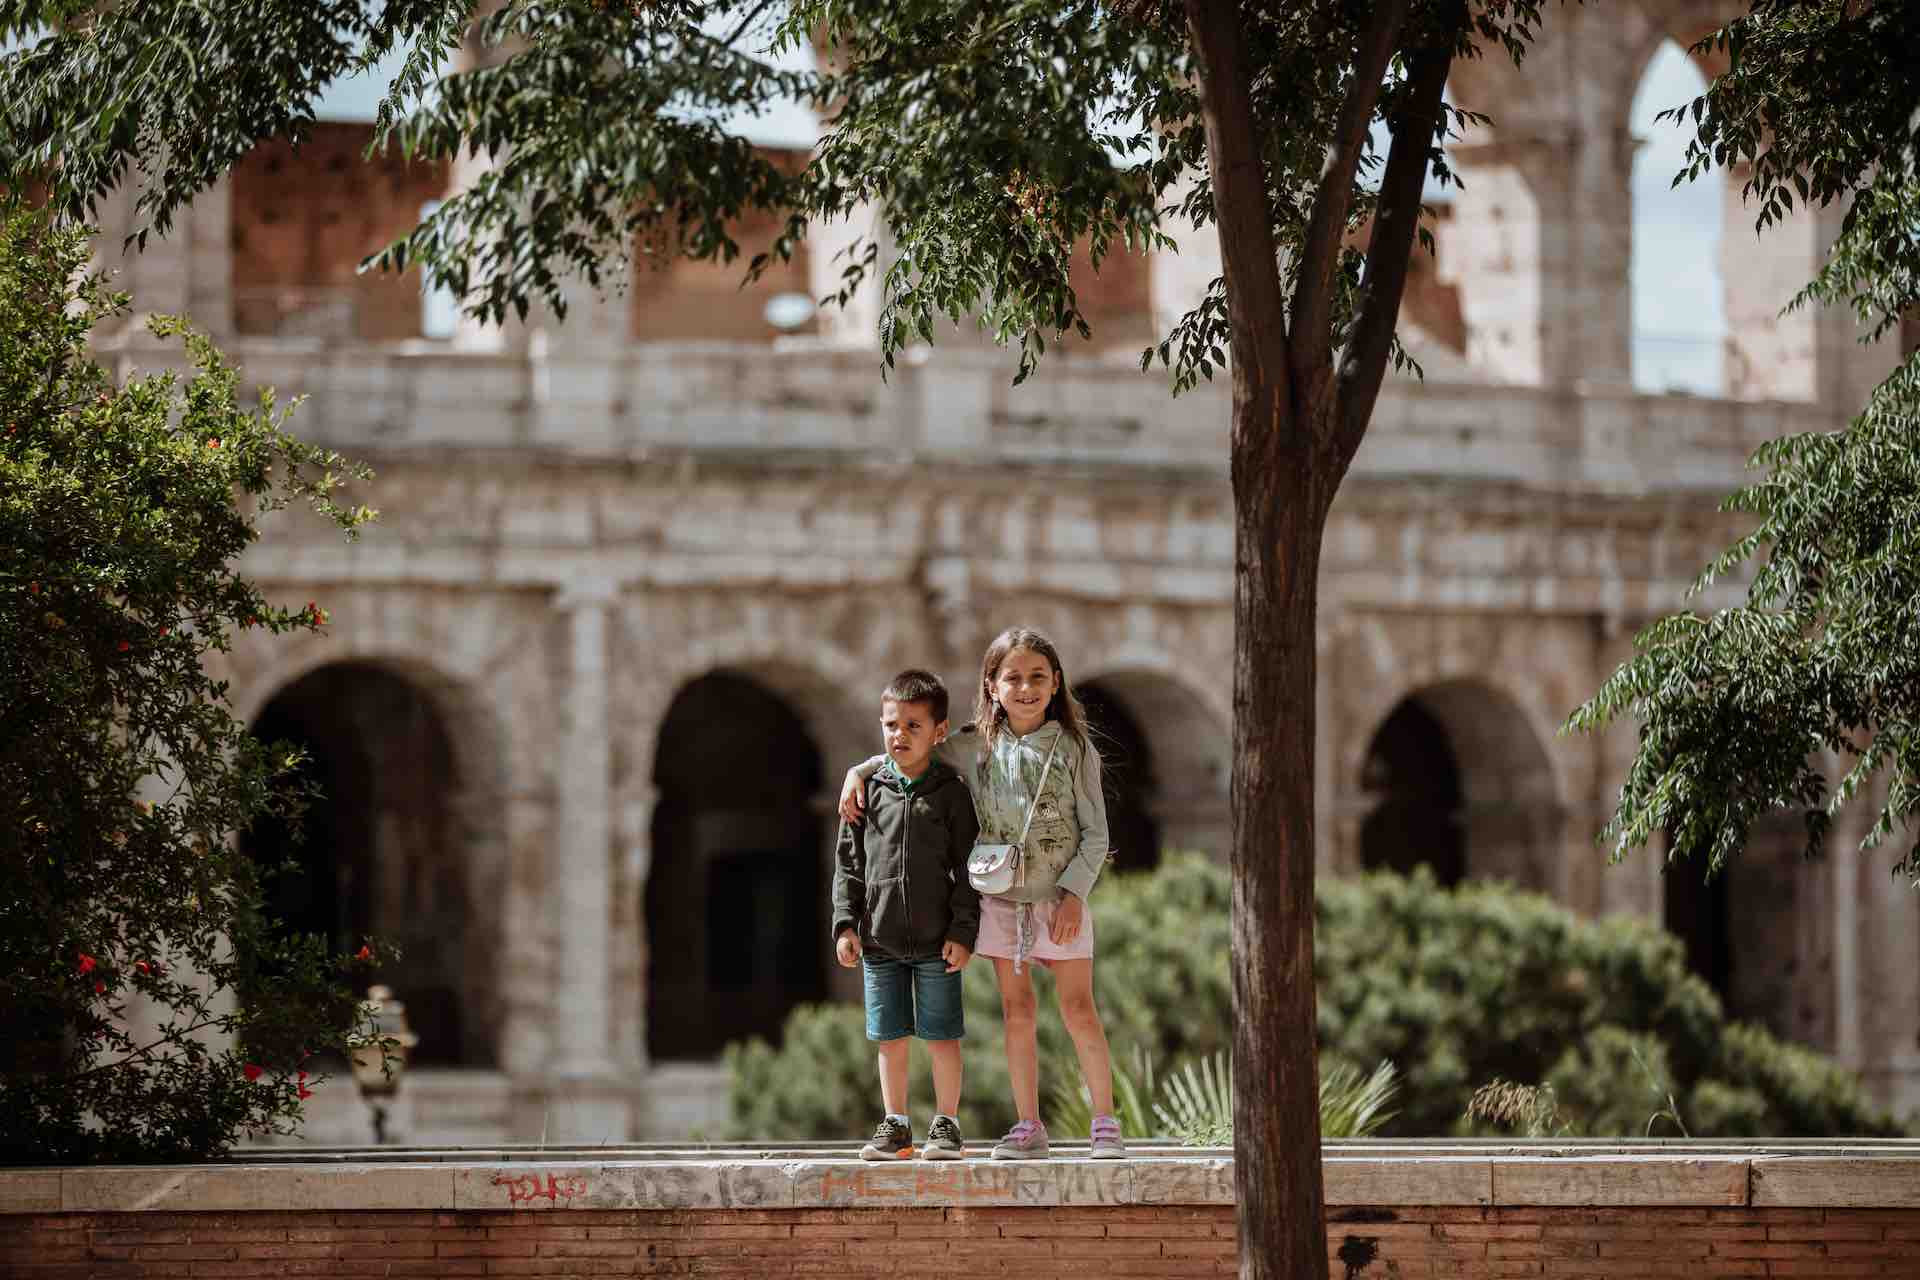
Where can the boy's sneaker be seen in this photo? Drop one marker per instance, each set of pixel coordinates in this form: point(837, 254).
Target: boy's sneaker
point(891, 1141)
point(943, 1140)
point(1025, 1141)
point(1106, 1143)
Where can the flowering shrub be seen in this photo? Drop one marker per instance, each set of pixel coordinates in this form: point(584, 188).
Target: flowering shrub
point(148, 1009)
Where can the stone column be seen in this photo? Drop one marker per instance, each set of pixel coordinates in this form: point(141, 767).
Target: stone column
point(631, 956)
point(189, 273)
point(1635, 885)
point(1812, 354)
point(576, 366)
point(1509, 250)
point(468, 168)
point(586, 1101)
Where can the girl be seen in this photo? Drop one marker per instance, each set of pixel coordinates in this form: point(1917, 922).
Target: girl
point(1025, 713)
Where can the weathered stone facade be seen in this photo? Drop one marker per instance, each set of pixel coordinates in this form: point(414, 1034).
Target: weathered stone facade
point(645, 591)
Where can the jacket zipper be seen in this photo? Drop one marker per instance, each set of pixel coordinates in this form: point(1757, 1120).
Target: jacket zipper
point(906, 873)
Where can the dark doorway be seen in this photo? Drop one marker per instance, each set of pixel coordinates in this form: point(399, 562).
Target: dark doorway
point(1411, 768)
point(1126, 764)
point(379, 855)
point(737, 897)
point(1695, 911)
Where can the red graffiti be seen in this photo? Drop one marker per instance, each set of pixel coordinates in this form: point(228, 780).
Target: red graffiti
point(528, 1187)
point(949, 1182)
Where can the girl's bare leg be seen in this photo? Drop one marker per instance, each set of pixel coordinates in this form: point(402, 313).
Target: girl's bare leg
point(1023, 1053)
point(1073, 980)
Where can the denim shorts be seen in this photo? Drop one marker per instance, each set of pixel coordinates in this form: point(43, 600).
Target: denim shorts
point(912, 998)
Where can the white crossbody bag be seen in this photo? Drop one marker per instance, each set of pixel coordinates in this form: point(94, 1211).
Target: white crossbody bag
point(994, 869)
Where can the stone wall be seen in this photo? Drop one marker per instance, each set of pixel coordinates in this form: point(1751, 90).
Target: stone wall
point(1692, 1211)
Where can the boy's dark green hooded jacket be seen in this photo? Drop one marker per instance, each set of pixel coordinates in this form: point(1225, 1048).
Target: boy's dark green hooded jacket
point(900, 878)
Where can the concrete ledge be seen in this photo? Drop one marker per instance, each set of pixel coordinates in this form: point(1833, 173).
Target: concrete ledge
point(822, 1176)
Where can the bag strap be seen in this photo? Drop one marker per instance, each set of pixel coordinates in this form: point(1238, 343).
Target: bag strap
point(1034, 803)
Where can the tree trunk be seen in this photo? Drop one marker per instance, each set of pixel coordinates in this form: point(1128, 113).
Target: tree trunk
point(1280, 505)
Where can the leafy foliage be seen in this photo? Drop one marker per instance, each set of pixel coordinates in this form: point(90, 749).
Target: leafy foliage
point(1796, 699)
point(1357, 1106)
point(1483, 983)
point(1196, 1103)
point(994, 139)
point(133, 952)
point(1453, 988)
point(1805, 697)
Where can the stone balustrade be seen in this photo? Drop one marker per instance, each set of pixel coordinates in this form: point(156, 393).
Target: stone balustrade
point(804, 398)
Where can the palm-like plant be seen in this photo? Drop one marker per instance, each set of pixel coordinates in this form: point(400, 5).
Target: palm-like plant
point(1195, 1102)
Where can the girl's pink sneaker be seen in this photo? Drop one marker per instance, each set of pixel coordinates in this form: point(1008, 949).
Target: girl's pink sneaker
point(1025, 1141)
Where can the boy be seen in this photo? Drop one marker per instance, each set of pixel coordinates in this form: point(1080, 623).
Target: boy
point(904, 911)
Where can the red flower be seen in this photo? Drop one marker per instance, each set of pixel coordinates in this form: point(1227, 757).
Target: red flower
point(124, 646)
point(303, 1077)
point(364, 953)
point(99, 988)
point(143, 966)
point(166, 631)
point(250, 1071)
point(303, 1093)
point(86, 963)
point(213, 442)
point(33, 588)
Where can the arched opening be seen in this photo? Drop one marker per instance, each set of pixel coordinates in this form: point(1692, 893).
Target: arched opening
point(1679, 303)
point(1416, 820)
point(382, 854)
point(1741, 929)
point(1163, 757)
point(1458, 780)
point(1126, 766)
point(736, 901)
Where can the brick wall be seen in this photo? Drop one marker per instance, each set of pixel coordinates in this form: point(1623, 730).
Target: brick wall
point(302, 221)
point(1172, 1240)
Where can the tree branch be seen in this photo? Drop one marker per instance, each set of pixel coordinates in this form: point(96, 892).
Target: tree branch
point(1312, 350)
point(1243, 216)
point(1390, 245)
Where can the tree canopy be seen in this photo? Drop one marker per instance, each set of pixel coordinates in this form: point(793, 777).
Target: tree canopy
point(1806, 697)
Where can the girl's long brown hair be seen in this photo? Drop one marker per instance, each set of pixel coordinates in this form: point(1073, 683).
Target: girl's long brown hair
point(1063, 706)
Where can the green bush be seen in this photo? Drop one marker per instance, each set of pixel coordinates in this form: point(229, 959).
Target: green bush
point(1455, 988)
point(135, 959)
point(1462, 987)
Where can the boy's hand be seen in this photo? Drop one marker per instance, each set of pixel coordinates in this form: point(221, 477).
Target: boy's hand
point(955, 955)
point(846, 948)
point(853, 797)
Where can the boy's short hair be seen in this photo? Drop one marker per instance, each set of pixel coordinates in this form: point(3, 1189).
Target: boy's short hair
point(916, 685)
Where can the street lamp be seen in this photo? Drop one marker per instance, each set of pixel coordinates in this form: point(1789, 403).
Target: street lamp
point(377, 1065)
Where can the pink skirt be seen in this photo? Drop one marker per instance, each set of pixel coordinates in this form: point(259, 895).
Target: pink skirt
point(997, 933)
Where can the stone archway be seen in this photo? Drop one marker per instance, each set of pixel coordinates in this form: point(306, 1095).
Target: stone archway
point(1164, 756)
point(1456, 778)
point(385, 851)
point(1741, 929)
point(736, 898)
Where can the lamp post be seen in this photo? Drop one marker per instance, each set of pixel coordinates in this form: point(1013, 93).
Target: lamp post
point(377, 1066)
